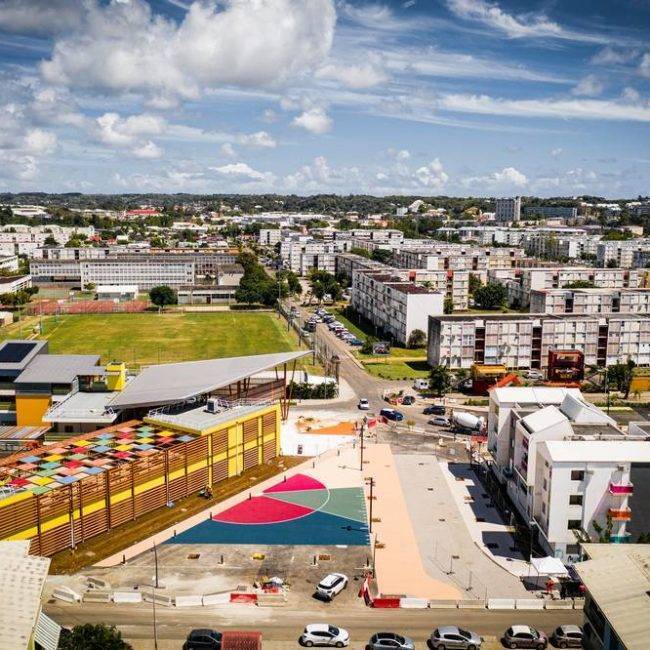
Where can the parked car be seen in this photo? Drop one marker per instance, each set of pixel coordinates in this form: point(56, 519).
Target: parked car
point(331, 585)
point(205, 639)
point(322, 634)
point(364, 404)
point(440, 421)
point(534, 374)
point(392, 414)
point(434, 409)
point(384, 640)
point(452, 636)
point(567, 636)
point(408, 400)
point(524, 636)
point(355, 341)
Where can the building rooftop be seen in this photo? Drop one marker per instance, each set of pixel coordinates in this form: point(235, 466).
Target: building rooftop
point(22, 578)
point(177, 382)
point(199, 419)
point(614, 451)
point(533, 394)
point(16, 355)
point(83, 407)
point(617, 576)
point(60, 368)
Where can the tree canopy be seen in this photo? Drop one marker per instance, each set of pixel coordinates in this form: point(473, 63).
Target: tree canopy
point(93, 637)
point(162, 295)
point(491, 296)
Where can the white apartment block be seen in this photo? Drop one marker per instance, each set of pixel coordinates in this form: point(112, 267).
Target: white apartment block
point(523, 342)
point(270, 236)
point(550, 212)
point(11, 284)
point(146, 273)
point(508, 209)
point(396, 307)
point(521, 281)
point(622, 252)
point(565, 464)
point(590, 301)
point(9, 263)
point(301, 255)
point(452, 284)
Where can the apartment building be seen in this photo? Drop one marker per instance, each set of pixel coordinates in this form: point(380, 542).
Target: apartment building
point(269, 236)
point(395, 306)
point(508, 209)
point(524, 341)
point(550, 212)
point(302, 254)
point(621, 252)
point(521, 281)
point(590, 301)
point(452, 284)
point(13, 283)
point(565, 464)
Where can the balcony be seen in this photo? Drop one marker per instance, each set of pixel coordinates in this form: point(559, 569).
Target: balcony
point(621, 489)
point(624, 514)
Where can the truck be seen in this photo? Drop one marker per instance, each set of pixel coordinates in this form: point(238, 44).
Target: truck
point(464, 420)
point(206, 639)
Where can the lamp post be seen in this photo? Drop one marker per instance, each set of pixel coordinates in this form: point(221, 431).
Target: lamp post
point(371, 483)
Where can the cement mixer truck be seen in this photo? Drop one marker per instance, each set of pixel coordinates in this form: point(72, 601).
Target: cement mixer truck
point(467, 421)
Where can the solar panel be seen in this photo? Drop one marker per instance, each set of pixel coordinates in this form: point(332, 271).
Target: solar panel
point(15, 352)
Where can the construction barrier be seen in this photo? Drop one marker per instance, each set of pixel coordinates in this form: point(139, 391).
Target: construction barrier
point(66, 594)
point(529, 603)
point(271, 600)
point(413, 603)
point(216, 599)
point(579, 603)
point(160, 599)
point(559, 604)
point(97, 596)
point(386, 603)
point(501, 603)
point(470, 604)
point(127, 597)
point(98, 583)
point(189, 600)
point(443, 604)
point(237, 597)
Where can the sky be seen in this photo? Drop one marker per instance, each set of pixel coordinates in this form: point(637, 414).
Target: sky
point(425, 97)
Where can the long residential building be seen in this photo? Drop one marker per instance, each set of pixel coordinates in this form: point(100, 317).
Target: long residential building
point(508, 209)
point(550, 211)
point(622, 253)
point(395, 306)
point(590, 301)
point(523, 341)
point(520, 282)
point(566, 465)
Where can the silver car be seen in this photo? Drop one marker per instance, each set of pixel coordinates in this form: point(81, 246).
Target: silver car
point(452, 636)
point(385, 640)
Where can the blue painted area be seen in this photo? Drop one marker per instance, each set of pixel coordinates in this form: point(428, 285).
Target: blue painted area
point(316, 529)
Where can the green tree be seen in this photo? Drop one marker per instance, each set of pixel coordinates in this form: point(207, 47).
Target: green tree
point(162, 295)
point(293, 283)
point(93, 637)
point(474, 283)
point(381, 255)
point(612, 264)
point(492, 296)
point(50, 241)
point(440, 380)
point(449, 305)
point(362, 252)
point(580, 284)
point(366, 348)
point(620, 375)
point(417, 339)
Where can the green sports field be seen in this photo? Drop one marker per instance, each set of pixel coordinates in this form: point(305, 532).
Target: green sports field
point(162, 338)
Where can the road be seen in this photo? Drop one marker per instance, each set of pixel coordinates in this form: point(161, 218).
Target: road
point(281, 627)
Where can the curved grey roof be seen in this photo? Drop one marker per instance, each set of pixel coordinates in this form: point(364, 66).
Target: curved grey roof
point(171, 383)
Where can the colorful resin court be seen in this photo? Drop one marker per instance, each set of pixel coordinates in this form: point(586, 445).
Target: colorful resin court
point(298, 511)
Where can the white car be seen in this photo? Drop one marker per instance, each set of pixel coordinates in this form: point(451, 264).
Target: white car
point(331, 585)
point(363, 405)
point(440, 421)
point(322, 634)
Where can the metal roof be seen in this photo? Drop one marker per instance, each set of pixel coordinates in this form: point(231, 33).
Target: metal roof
point(59, 368)
point(22, 578)
point(618, 579)
point(171, 383)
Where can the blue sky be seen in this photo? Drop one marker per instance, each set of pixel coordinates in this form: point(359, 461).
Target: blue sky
point(458, 97)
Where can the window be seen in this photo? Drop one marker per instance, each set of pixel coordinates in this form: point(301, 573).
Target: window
point(574, 524)
point(577, 474)
point(544, 484)
point(575, 500)
point(544, 508)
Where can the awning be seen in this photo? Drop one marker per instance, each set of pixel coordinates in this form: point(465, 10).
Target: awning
point(549, 566)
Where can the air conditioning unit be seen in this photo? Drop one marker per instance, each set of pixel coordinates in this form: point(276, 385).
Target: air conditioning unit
point(212, 405)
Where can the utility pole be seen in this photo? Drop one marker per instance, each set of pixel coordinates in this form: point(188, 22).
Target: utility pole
point(361, 449)
point(155, 560)
point(371, 483)
point(155, 627)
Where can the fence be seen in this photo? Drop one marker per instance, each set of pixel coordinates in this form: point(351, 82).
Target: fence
point(60, 307)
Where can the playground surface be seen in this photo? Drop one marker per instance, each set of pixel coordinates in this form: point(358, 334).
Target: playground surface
point(300, 510)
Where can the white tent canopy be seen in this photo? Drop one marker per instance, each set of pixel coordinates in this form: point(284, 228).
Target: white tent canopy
point(549, 566)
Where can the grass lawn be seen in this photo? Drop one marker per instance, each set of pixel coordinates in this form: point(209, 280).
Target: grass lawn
point(162, 338)
point(396, 369)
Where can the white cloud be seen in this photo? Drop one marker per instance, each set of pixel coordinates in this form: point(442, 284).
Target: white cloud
point(363, 75)
point(40, 142)
point(399, 154)
point(269, 116)
point(587, 109)
point(612, 56)
point(123, 47)
point(315, 120)
point(148, 150)
point(508, 177)
point(556, 152)
point(114, 130)
point(631, 95)
point(529, 26)
point(18, 167)
point(227, 149)
point(40, 16)
point(644, 66)
point(243, 172)
point(432, 176)
point(260, 139)
point(589, 86)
